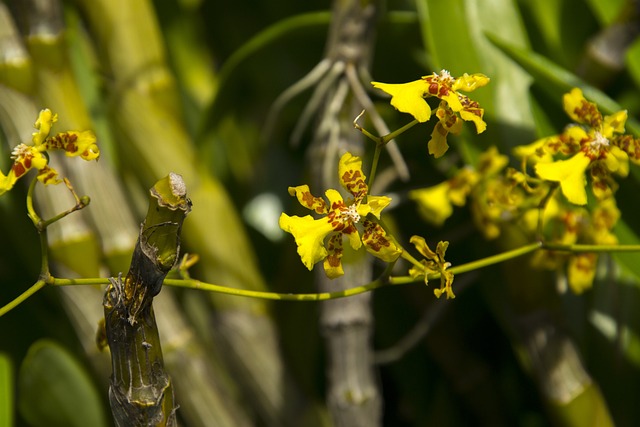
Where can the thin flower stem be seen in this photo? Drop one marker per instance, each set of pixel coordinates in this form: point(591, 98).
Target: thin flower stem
point(196, 284)
point(23, 297)
point(380, 141)
point(42, 234)
point(495, 259)
point(84, 201)
point(385, 139)
point(590, 248)
point(374, 165)
point(323, 296)
point(31, 212)
point(406, 255)
point(41, 225)
point(55, 281)
point(81, 203)
point(44, 254)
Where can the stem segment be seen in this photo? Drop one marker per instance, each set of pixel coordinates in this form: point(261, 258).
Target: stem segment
point(141, 392)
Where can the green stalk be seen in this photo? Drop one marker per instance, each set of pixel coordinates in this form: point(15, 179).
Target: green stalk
point(22, 297)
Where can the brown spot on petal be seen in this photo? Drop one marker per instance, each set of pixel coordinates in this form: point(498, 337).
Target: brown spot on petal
point(308, 198)
point(373, 238)
point(588, 112)
point(333, 260)
point(354, 183)
point(19, 169)
point(444, 91)
point(629, 145)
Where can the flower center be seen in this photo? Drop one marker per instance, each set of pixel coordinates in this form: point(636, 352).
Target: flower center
point(445, 77)
point(20, 151)
point(598, 144)
point(351, 213)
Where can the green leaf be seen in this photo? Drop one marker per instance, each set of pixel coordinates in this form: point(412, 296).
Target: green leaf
point(606, 10)
point(6, 391)
point(560, 29)
point(556, 80)
point(54, 389)
point(546, 18)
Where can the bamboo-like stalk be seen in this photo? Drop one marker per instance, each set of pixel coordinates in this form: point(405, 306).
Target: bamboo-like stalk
point(141, 392)
point(353, 396)
point(571, 395)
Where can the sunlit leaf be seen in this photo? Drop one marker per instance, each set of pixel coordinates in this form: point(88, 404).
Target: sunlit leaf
point(556, 80)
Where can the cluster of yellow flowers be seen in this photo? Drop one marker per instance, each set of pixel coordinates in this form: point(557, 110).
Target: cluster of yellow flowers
point(593, 145)
point(341, 218)
point(499, 195)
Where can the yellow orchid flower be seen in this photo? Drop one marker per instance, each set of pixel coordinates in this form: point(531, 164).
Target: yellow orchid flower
point(581, 270)
point(595, 143)
point(434, 262)
point(26, 157)
point(435, 203)
point(410, 98)
point(340, 219)
point(570, 174)
point(604, 217)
